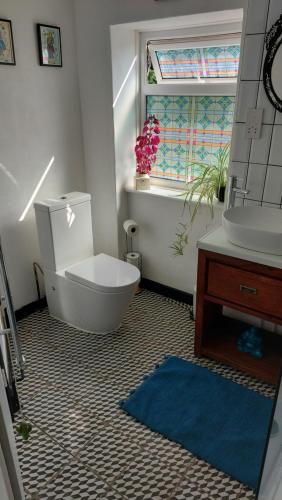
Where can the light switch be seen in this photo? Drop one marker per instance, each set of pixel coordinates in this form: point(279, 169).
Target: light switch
point(254, 123)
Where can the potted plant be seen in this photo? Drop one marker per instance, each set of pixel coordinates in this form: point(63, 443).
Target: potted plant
point(209, 184)
point(146, 150)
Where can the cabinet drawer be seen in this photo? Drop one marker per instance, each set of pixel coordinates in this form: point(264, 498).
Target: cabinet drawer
point(245, 288)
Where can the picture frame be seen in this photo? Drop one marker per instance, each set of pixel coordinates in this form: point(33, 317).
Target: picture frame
point(7, 51)
point(49, 45)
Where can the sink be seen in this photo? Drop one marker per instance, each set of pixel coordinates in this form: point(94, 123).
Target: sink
point(256, 228)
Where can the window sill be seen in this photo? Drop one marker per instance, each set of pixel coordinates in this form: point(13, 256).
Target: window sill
point(172, 194)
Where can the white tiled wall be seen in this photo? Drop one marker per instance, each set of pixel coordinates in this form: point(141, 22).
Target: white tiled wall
point(257, 161)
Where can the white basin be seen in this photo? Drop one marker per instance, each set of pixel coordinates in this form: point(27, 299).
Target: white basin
point(256, 228)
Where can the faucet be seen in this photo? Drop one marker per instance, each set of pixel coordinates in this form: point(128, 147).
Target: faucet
point(232, 189)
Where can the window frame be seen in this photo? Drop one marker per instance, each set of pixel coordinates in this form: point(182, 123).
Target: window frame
point(216, 87)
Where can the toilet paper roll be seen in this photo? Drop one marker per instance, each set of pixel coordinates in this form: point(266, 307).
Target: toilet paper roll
point(130, 227)
point(134, 258)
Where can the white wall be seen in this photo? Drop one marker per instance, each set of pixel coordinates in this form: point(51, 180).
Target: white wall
point(125, 63)
point(93, 21)
point(158, 217)
point(259, 161)
point(40, 118)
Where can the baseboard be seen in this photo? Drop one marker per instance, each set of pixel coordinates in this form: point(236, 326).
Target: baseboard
point(25, 311)
point(167, 291)
point(154, 286)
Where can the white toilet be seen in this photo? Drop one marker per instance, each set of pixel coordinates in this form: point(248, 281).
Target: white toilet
point(91, 293)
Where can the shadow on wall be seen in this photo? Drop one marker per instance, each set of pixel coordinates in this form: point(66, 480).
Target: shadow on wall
point(21, 249)
point(35, 192)
point(9, 175)
point(20, 242)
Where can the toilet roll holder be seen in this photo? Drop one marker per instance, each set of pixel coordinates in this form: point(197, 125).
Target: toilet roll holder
point(131, 229)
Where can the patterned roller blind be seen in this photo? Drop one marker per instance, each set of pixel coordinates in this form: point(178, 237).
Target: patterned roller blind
point(191, 128)
point(195, 63)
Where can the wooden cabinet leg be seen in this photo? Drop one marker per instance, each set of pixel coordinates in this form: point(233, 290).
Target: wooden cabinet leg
point(208, 314)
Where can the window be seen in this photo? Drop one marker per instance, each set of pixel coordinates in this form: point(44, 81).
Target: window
point(190, 85)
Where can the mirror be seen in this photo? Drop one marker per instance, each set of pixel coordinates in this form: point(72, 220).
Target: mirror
point(272, 70)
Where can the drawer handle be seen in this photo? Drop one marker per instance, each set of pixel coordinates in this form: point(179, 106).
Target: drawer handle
point(248, 289)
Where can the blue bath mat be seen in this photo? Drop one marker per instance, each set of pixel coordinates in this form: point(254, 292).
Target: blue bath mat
point(216, 419)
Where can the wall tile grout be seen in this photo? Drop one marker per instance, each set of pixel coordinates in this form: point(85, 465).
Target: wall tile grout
point(270, 123)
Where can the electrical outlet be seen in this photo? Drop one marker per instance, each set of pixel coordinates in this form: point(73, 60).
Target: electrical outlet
point(254, 123)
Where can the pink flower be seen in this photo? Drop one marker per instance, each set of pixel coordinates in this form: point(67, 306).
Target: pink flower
point(147, 145)
point(155, 140)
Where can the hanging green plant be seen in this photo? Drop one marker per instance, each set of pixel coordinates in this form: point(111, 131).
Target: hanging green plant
point(181, 239)
point(151, 77)
point(208, 186)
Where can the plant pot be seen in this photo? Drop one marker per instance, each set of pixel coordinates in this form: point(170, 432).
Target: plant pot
point(143, 182)
point(221, 194)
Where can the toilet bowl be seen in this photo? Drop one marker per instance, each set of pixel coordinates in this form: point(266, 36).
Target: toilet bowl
point(89, 292)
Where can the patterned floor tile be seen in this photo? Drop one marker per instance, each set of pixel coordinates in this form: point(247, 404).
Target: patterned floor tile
point(136, 432)
point(129, 375)
point(246, 494)
point(87, 351)
point(109, 453)
point(75, 482)
point(171, 454)
point(262, 388)
point(102, 398)
point(52, 366)
point(30, 386)
point(69, 424)
point(190, 490)
point(63, 372)
point(147, 478)
point(73, 384)
point(40, 458)
point(203, 481)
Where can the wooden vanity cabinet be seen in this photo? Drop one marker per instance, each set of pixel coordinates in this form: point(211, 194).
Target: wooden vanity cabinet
point(245, 286)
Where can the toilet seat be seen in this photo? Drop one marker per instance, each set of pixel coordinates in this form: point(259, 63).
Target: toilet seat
point(104, 273)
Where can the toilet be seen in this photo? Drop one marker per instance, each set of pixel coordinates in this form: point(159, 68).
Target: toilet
point(89, 292)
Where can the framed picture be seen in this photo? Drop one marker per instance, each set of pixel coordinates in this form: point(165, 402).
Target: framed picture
point(7, 53)
point(49, 42)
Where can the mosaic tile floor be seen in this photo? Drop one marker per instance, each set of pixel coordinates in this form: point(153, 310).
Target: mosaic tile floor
point(82, 445)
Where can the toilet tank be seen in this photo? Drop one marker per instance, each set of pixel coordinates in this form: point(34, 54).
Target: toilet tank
point(64, 229)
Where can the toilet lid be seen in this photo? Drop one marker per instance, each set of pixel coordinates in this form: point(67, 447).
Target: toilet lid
point(104, 273)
